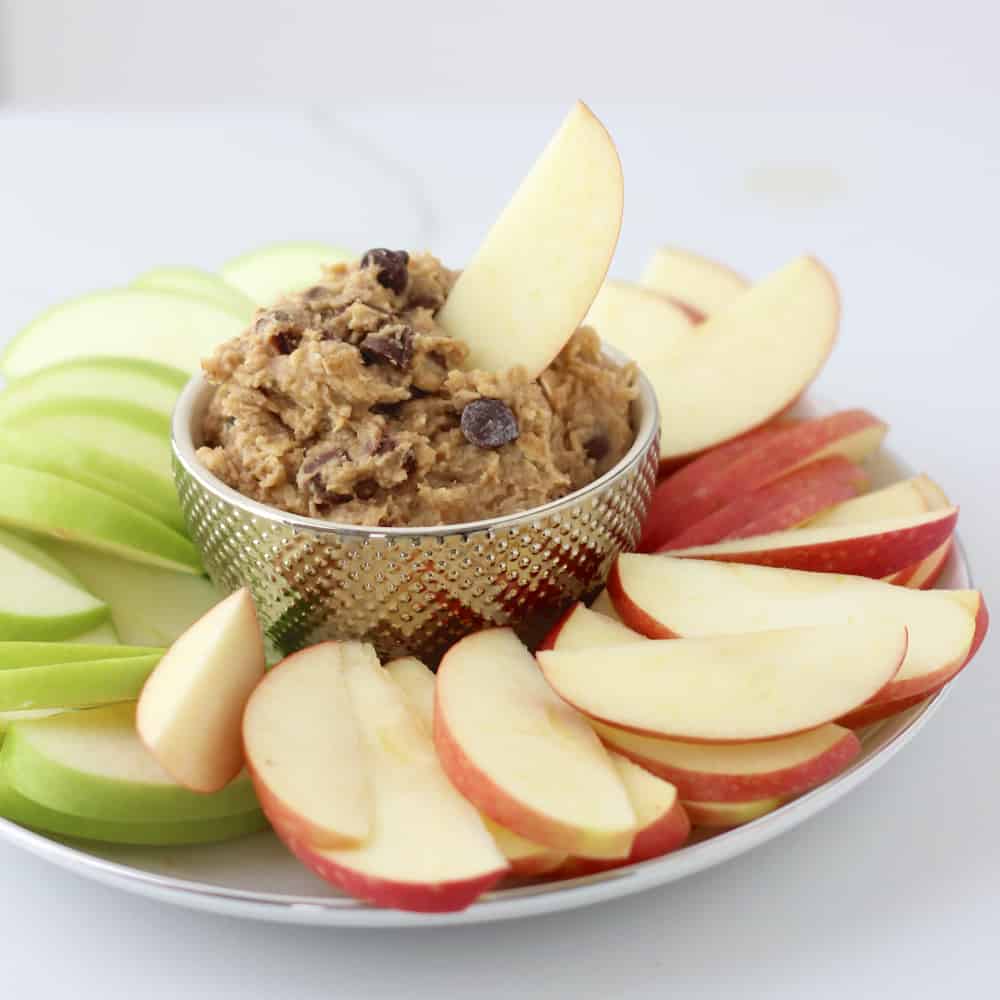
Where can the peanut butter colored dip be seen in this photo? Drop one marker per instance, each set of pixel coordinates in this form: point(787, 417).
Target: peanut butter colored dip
point(348, 402)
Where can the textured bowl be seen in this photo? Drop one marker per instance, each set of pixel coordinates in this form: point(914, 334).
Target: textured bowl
point(412, 590)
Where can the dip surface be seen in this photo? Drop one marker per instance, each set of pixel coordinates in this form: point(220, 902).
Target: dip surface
point(349, 403)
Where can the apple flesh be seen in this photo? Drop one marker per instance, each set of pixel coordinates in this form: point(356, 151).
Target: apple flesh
point(540, 268)
point(714, 772)
point(122, 380)
point(730, 688)
point(750, 361)
point(304, 751)
point(190, 281)
point(521, 754)
point(726, 815)
point(92, 764)
point(874, 550)
point(37, 603)
point(662, 823)
point(903, 499)
point(526, 858)
point(265, 275)
point(703, 286)
point(177, 331)
point(428, 850)
point(149, 606)
point(603, 605)
point(191, 708)
point(786, 503)
point(710, 483)
point(663, 597)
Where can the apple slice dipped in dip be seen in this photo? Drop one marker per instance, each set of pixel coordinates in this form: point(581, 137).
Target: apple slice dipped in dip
point(398, 392)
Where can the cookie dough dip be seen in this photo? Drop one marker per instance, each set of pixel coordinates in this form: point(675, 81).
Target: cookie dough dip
point(350, 402)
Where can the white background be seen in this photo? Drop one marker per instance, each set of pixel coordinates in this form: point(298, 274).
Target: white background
point(134, 133)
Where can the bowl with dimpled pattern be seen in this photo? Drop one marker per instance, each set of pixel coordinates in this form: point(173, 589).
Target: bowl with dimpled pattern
point(412, 590)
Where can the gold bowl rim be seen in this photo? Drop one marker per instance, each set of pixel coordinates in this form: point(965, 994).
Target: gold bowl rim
point(194, 399)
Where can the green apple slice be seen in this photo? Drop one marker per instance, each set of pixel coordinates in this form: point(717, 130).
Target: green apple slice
point(199, 284)
point(48, 505)
point(266, 274)
point(123, 379)
point(17, 655)
point(152, 493)
point(35, 553)
point(130, 432)
point(149, 606)
point(92, 763)
point(25, 812)
point(38, 604)
point(103, 635)
point(77, 684)
point(170, 329)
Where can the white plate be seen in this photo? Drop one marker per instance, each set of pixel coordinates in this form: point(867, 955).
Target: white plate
point(256, 877)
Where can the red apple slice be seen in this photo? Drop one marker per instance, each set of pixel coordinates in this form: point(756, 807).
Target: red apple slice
point(708, 484)
point(428, 850)
point(875, 549)
point(522, 755)
point(726, 815)
point(733, 688)
point(926, 573)
point(541, 265)
point(873, 712)
point(750, 361)
point(902, 499)
point(526, 858)
point(663, 825)
point(663, 597)
point(714, 772)
point(191, 707)
point(603, 605)
point(702, 286)
point(785, 503)
point(304, 750)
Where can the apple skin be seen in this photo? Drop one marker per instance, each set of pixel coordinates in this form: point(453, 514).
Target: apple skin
point(926, 573)
point(723, 474)
point(705, 786)
point(865, 715)
point(782, 504)
point(416, 897)
point(634, 617)
point(870, 553)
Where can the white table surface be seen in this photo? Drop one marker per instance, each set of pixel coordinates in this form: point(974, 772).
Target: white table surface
point(893, 892)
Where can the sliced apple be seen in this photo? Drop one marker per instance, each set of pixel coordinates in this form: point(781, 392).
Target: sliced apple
point(703, 286)
point(733, 688)
point(663, 824)
point(540, 267)
point(200, 284)
point(647, 327)
point(663, 597)
point(926, 573)
point(37, 603)
point(903, 499)
point(130, 432)
point(122, 380)
point(93, 764)
point(266, 274)
point(149, 606)
point(603, 605)
point(191, 709)
point(96, 468)
point(782, 504)
point(715, 772)
point(103, 635)
point(17, 655)
point(726, 815)
point(708, 484)
point(876, 711)
point(750, 361)
point(304, 751)
point(525, 857)
point(48, 505)
point(429, 850)
point(175, 331)
point(875, 549)
point(521, 754)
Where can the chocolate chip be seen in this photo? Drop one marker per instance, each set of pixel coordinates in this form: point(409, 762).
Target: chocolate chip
point(324, 498)
point(597, 447)
point(395, 348)
point(388, 409)
point(387, 444)
point(322, 458)
point(391, 264)
point(286, 341)
point(366, 489)
point(489, 423)
point(410, 463)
